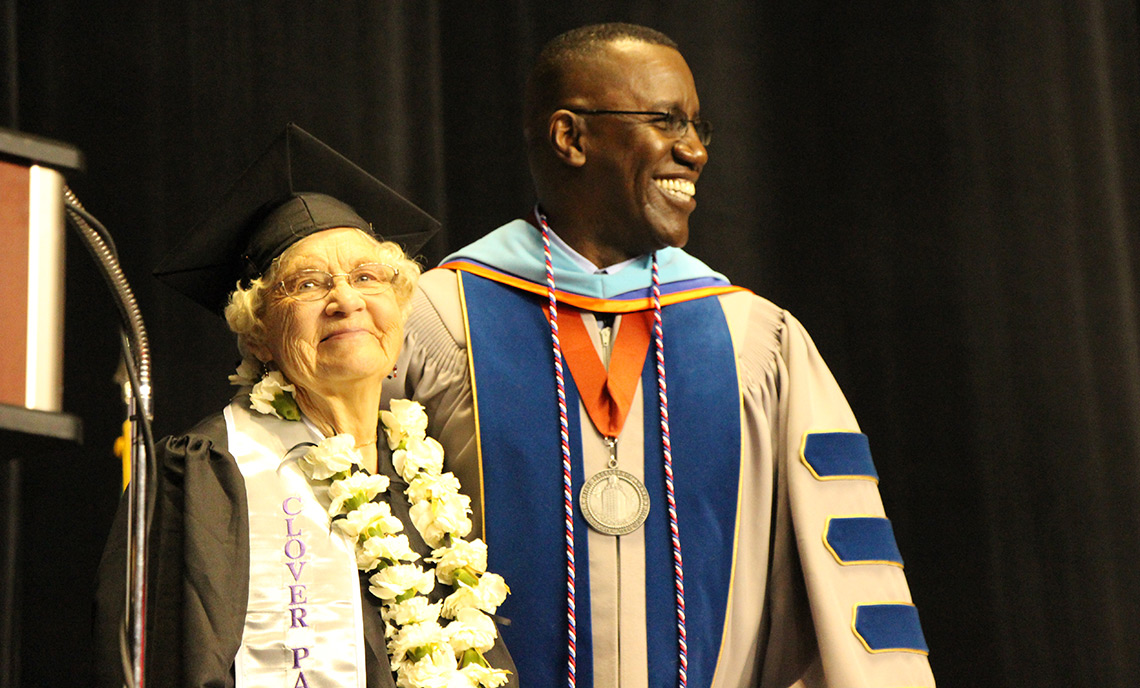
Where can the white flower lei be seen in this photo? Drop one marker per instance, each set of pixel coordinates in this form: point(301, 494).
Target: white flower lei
point(424, 653)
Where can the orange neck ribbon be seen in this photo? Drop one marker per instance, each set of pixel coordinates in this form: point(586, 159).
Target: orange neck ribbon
point(607, 395)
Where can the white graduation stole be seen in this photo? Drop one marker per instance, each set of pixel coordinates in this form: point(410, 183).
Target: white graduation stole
point(303, 625)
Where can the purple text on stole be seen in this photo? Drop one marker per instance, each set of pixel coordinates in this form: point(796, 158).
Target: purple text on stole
point(294, 551)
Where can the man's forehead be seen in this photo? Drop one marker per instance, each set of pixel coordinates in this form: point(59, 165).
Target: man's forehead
point(631, 66)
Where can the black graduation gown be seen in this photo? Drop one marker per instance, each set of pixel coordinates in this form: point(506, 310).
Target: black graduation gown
point(196, 595)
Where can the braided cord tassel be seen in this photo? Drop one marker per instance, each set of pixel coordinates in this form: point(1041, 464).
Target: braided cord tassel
point(674, 531)
point(567, 493)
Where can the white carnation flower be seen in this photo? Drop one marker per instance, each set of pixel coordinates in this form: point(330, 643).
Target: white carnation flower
point(394, 581)
point(426, 635)
point(273, 396)
point(247, 374)
point(371, 518)
point(384, 549)
point(478, 676)
point(471, 630)
point(461, 554)
point(435, 670)
point(359, 487)
point(431, 485)
point(418, 455)
point(405, 419)
point(334, 455)
point(413, 611)
point(442, 517)
point(487, 595)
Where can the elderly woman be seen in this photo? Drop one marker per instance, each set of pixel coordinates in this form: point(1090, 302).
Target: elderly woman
point(293, 545)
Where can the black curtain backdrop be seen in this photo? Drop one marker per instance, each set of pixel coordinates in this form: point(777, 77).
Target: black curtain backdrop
point(945, 193)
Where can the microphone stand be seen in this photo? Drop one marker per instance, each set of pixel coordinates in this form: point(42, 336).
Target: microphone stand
point(137, 395)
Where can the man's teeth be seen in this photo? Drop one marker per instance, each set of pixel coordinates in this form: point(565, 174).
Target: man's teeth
point(682, 188)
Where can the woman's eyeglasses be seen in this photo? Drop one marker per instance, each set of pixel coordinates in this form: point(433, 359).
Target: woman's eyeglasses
point(314, 285)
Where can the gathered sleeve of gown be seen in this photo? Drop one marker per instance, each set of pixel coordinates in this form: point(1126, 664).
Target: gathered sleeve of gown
point(196, 595)
point(807, 639)
point(433, 370)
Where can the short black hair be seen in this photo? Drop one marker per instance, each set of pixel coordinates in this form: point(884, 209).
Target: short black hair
point(574, 47)
point(587, 39)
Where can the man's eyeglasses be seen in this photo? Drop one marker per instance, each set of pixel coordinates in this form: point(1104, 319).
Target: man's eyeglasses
point(314, 285)
point(673, 122)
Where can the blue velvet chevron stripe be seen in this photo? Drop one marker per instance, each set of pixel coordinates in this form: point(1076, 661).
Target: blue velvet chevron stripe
point(889, 627)
point(838, 455)
point(862, 540)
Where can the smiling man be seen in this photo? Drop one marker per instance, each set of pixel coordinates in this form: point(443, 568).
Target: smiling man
point(670, 479)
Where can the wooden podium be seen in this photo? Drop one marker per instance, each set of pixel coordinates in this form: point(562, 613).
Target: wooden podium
point(32, 243)
point(31, 269)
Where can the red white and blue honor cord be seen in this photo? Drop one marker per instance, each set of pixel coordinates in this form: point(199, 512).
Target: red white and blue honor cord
point(670, 496)
point(567, 492)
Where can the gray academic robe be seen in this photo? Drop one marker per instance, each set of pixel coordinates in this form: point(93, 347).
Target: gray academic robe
point(790, 613)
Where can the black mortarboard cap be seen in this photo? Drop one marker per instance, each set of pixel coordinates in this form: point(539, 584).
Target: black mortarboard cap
point(297, 187)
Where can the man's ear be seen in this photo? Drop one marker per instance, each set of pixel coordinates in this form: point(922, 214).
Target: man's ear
point(565, 136)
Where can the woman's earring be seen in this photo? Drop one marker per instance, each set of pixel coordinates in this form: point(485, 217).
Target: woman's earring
point(392, 375)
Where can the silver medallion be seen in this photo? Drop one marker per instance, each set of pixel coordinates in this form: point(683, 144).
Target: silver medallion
point(614, 502)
